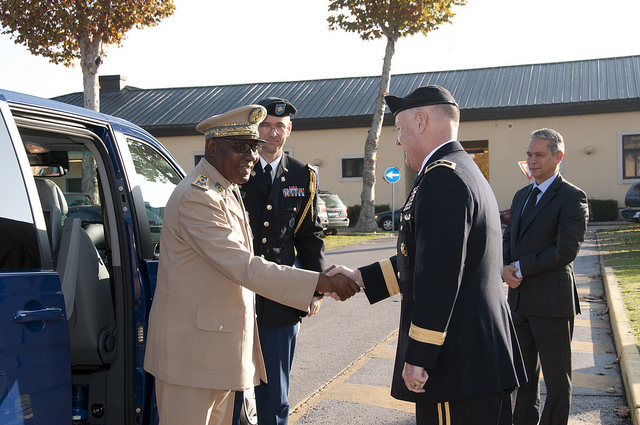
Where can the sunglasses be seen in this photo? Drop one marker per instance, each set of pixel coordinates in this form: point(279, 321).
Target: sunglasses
point(244, 147)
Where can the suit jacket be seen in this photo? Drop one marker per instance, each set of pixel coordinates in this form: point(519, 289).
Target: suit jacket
point(454, 319)
point(274, 217)
point(202, 329)
point(546, 245)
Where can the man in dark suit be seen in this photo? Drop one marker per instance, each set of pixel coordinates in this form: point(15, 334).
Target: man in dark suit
point(457, 355)
point(546, 229)
point(281, 200)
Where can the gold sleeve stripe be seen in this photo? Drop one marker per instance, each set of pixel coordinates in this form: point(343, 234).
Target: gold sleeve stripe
point(426, 336)
point(389, 277)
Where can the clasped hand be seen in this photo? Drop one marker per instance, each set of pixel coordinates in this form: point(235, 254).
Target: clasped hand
point(339, 286)
point(353, 275)
point(510, 277)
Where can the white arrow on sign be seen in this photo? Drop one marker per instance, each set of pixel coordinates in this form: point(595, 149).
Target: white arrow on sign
point(392, 174)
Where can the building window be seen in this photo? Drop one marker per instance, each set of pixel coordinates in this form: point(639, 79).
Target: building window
point(629, 156)
point(351, 167)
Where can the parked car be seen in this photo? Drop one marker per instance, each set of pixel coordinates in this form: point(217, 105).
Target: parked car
point(631, 211)
point(336, 211)
point(384, 220)
point(77, 282)
point(322, 213)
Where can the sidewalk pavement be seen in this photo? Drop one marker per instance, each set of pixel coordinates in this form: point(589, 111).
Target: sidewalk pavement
point(360, 393)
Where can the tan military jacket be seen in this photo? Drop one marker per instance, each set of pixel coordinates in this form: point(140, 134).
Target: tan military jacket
point(202, 326)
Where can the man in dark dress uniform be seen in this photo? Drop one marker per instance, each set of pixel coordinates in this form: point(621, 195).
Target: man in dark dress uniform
point(458, 357)
point(281, 200)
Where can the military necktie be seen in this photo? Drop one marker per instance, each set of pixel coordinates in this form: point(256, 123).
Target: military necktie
point(267, 176)
point(531, 203)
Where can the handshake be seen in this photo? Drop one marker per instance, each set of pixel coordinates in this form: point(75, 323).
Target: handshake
point(339, 282)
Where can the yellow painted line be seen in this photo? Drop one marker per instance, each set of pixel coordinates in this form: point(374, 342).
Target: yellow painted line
point(591, 323)
point(587, 291)
point(596, 382)
point(384, 353)
point(333, 388)
point(590, 347)
point(369, 395)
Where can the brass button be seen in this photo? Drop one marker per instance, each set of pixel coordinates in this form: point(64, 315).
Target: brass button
point(269, 207)
point(398, 275)
point(220, 327)
point(295, 209)
point(262, 256)
point(266, 224)
point(264, 240)
point(403, 249)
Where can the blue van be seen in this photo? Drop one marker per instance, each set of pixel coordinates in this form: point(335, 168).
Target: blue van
point(76, 281)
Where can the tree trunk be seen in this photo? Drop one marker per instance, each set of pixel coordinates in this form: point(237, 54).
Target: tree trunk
point(366, 221)
point(90, 60)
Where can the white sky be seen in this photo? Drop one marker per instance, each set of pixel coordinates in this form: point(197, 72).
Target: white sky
point(214, 42)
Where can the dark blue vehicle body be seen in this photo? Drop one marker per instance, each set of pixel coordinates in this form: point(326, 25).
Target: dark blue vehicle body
point(91, 332)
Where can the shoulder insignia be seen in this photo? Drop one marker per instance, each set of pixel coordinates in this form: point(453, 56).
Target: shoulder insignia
point(220, 188)
point(202, 181)
point(440, 163)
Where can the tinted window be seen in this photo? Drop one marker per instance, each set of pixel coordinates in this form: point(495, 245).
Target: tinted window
point(352, 167)
point(19, 248)
point(332, 201)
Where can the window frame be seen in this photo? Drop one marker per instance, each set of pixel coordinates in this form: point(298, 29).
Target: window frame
point(341, 177)
point(620, 142)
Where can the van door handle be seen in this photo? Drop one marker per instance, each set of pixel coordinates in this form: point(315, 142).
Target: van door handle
point(45, 315)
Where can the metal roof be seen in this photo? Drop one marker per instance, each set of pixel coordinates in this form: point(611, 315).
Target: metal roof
point(562, 88)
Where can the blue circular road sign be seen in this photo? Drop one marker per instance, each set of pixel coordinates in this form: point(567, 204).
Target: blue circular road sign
point(392, 174)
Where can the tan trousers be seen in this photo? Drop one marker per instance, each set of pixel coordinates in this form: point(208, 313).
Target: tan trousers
point(179, 405)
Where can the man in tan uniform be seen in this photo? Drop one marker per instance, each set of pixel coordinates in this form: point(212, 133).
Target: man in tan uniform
point(203, 341)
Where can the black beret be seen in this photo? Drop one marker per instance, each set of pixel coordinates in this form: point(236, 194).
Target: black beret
point(277, 107)
point(422, 96)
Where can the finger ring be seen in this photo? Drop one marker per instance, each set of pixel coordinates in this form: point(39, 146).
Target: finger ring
point(417, 385)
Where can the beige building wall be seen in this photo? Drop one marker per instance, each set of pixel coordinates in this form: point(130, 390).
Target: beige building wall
point(598, 173)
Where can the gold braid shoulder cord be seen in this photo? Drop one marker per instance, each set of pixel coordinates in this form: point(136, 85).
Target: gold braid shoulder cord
point(312, 192)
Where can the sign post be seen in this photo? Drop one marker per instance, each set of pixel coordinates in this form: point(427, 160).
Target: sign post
point(392, 175)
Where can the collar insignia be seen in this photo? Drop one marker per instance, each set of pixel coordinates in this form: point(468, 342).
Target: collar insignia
point(202, 181)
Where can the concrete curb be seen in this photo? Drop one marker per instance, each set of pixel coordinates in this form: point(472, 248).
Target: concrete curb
point(625, 342)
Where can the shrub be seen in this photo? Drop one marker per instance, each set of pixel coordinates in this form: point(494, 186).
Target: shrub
point(354, 212)
point(604, 209)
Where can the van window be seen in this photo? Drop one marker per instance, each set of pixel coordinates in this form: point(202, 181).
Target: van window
point(19, 248)
point(157, 179)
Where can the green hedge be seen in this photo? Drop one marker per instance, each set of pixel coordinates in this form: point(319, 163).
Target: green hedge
point(354, 212)
point(604, 209)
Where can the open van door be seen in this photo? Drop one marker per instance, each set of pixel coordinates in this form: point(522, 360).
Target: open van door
point(35, 377)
